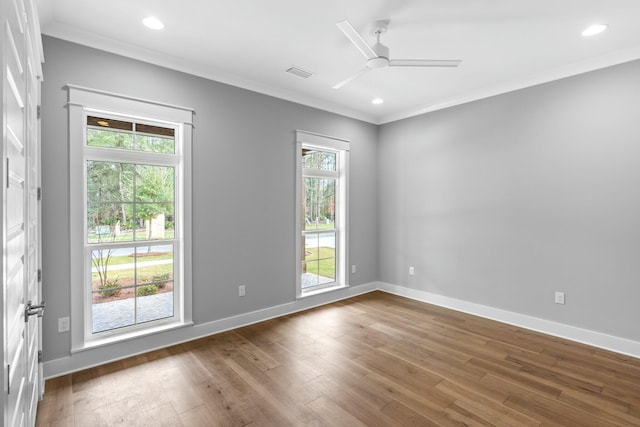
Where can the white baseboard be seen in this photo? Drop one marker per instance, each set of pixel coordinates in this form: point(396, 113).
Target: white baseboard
point(106, 354)
point(111, 353)
point(585, 336)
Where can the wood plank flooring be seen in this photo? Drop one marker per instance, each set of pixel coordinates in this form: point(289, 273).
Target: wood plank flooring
point(373, 360)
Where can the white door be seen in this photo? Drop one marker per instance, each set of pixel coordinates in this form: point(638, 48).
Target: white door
point(21, 53)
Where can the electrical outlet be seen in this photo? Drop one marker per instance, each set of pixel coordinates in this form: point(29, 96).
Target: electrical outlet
point(412, 271)
point(63, 324)
point(353, 269)
point(559, 297)
point(241, 290)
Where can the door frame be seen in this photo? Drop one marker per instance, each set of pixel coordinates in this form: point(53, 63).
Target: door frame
point(22, 46)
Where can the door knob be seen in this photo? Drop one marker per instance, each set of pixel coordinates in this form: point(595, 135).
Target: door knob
point(31, 310)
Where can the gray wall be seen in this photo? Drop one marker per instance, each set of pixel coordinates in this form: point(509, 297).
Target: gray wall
point(503, 201)
point(498, 202)
point(243, 184)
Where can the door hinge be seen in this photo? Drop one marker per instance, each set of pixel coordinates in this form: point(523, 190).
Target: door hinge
point(38, 111)
point(39, 193)
point(39, 275)
point(8, 379)
point(7, 172)
point(39, 356)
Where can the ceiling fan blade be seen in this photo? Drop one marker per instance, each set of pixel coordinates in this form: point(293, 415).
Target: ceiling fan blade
point(424, 62)
point(356, 39)
point(355, 76)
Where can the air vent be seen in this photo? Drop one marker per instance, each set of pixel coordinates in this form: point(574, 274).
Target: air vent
point(299, 72)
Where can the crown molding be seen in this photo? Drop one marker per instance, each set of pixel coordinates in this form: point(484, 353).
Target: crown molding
point(82, 37)
point(534, 79)
point(85, 38)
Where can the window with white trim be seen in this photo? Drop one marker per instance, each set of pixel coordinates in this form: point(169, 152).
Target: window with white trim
point(130, 210)
point(322, 165)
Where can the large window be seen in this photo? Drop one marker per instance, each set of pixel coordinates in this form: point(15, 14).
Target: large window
point(130, 200)
point(322, 208)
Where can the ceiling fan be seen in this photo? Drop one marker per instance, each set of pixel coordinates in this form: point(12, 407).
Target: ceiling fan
point(378, 54)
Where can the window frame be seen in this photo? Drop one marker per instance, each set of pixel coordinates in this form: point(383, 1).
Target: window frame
point(84, 102)
point(339, 146)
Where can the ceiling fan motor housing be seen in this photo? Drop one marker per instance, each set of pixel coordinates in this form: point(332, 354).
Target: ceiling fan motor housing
point(383, 56)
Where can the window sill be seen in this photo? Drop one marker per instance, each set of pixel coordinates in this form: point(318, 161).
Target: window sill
point(321, 291)
point(118, 338)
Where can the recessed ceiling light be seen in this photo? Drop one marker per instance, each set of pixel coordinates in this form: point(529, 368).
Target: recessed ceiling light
point(594, 29)
point(153, 23)
point(377, 101)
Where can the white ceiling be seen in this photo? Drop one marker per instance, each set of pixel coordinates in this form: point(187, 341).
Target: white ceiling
point(504, 45)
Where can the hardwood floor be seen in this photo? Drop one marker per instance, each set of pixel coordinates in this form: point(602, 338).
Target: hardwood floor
point(373, 360)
